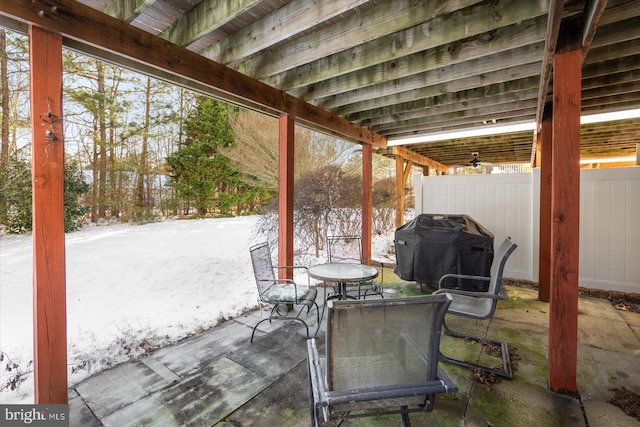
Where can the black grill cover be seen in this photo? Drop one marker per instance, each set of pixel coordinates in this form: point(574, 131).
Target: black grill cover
point(432, 245)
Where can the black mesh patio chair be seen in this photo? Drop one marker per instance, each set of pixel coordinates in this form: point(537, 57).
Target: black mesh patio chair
point(349, 249)
point(381, 357)
point(281, 294)
point(480, 306)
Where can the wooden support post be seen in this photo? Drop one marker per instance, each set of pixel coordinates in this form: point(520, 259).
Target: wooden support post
point(399, 191)
point(544, 159)
point(565, 206)
point(49, 279)
point(367, 199)
point(638, 154)
point(285, 193)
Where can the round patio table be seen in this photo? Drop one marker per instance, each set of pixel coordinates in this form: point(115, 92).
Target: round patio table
point(342, 273)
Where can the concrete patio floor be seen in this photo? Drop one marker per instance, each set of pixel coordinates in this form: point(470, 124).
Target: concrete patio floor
point(218, 378)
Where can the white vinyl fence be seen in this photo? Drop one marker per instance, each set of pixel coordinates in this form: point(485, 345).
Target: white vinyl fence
point(508, 205)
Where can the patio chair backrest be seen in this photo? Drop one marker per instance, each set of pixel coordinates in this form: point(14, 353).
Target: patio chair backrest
point(383, 344)
point(344, 249)
point(263, 270)
point(500, 259)
point(483, 308)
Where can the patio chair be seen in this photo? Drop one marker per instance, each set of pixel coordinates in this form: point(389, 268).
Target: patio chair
point(281, 294)
point(349, 249)
point(480, 306)
point(381, 358)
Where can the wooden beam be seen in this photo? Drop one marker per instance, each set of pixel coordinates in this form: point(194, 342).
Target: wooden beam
point(553, 27)
point(545, 161)
point(524, 110)
point(90, 27)
point(205, 18)
point(507, 103)
point(458, 59)
point(383, 20)
point(367, 200)
point(399, 191)
point(277, 27)
point(593, 10)
point(419, 159)
point(127, 10)
point(565, 206)
point(456, 26)
point(286, 144)
point(429, 85)
point(638, 154)
point(49, 279)
point(405, 173)
point(421, 106)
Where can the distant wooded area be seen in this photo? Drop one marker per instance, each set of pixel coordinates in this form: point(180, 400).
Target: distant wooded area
point(139, 149)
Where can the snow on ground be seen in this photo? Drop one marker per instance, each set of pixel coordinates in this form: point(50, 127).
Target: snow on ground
point(131, 288)
point(156, 283)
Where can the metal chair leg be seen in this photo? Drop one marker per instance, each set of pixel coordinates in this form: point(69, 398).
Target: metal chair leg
point(506, 372)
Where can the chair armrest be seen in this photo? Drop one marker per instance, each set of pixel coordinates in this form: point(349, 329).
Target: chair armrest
point(317, 377)
point(447, 382)
point(460, 276)
point(501, 296)
point(294, 267)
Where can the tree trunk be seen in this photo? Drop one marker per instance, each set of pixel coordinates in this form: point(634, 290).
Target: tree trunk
point(142, 166)
point(4, 119)
point(102, 126)
point(94, 187)
point(4, 83)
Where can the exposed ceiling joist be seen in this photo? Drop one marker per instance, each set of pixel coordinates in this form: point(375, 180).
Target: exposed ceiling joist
point(383, 68)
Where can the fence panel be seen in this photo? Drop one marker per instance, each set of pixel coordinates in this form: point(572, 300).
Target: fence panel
point(508, 205)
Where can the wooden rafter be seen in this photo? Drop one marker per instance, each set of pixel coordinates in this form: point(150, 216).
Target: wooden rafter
point(441, 31)
point(384, 20)
point(278, 27)
point(421, 107)
point(418, 159)
point(445, 80)
point(553, 28)
point(593, 13)
point(457, 59)
point(127, 10)
point(204, 18)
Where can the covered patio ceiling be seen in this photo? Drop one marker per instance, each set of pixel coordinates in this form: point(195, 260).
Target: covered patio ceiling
point(395, 68)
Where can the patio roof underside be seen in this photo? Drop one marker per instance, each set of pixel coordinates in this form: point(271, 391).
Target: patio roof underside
point(402, 68)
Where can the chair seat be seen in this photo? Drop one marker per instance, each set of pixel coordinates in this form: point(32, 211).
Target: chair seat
point(372, 372)
point(466, 306)
point(286, 293)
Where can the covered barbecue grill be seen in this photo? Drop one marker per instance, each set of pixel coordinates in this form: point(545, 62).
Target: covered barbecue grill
point(432, 245)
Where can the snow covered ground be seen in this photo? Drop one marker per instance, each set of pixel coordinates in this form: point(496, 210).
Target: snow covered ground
point(129, 289)
point(159, 281)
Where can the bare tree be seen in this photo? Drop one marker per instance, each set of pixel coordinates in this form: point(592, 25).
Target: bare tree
point(256, 150)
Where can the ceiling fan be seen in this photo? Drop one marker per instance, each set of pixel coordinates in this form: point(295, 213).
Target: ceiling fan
point(475, 162)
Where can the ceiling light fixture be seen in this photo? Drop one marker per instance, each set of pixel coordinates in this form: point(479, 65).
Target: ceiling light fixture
point(466, 133)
